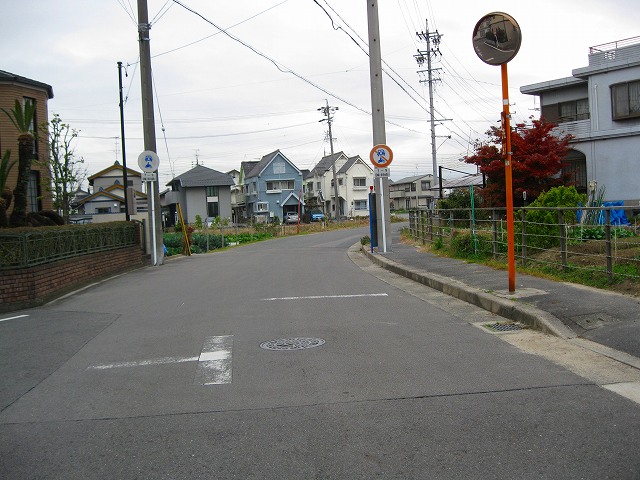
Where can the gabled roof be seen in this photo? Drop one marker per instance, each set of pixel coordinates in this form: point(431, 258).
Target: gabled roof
point(108, 192)
point(246, 167)
point(295, 197)
point(7, 77)
point(115, 166)
point(201, 176)
point(265, 161)
point(350, 163)
point(325, 164)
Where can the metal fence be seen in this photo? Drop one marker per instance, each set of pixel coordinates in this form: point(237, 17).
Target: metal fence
point(28, 248)
point(589, 238)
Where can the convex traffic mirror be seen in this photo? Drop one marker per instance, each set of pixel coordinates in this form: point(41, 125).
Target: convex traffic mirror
point(496, 38)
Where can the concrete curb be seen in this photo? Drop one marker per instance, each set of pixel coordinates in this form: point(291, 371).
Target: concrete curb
point(510, 309)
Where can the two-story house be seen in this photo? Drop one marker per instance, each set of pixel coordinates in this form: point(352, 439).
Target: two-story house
point(107, 193)
point(273, 188)
point(412, 192)
point(200, 191)
point(600, 106)
point(354, 177)
point(14, 87)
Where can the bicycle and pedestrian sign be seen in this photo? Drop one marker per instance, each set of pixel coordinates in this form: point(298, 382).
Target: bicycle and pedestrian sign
point(381, 156)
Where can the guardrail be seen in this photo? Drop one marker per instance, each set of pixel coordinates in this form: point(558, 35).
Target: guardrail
point(587, 238)
point(27, 248)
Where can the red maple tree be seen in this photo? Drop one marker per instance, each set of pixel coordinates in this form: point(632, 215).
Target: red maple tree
point(536, 162)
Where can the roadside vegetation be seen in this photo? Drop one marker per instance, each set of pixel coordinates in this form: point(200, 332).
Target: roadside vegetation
point(578, 256)
point(220, 234)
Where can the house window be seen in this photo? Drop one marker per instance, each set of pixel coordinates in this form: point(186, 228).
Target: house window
point(339, 182)
point(318, 186)
point(261, 207)
point(279, 167)
point(360, 182)
point(34, 121)
point(360, 204)
point(413, 187)
point(103, 210)
point(310, 187)
point(279, 185)
point(212, 192)
point(425, 185)
point(625, 98)
point(574, 110)
point(33, 192)
point(212, 209)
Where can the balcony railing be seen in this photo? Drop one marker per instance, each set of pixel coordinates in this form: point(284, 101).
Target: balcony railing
point(621, 50)
point(580, 129)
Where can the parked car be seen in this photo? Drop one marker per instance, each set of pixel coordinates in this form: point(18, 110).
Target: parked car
point(291, 218)
point(317, 216)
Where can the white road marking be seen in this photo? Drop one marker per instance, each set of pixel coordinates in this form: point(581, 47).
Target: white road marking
point(315, 297)
point(12, 318)
point(144, 363)
point(215, 361)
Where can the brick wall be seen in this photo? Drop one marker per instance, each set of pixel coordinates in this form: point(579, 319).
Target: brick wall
point(34, 286)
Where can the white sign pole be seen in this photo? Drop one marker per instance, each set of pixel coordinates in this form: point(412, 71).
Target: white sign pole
point(154, 256)
point(384, 230)
point(148, 161)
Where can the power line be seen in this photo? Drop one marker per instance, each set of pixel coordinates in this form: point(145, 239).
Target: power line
point(281, 67)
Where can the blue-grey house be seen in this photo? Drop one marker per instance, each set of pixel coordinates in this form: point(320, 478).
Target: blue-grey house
point(273, 188)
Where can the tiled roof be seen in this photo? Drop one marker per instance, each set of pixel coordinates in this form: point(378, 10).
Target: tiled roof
point(324, 164)
point(201, 176)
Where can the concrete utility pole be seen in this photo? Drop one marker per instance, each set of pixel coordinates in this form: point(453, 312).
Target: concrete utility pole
point(125, 176)
point(327, 111)
point(433, 43)
point(379, 133)
point(149, 128)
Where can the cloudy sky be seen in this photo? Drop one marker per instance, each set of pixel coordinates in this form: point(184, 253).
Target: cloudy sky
point(224, 98)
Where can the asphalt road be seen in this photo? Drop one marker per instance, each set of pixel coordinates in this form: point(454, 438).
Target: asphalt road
point(160, 374)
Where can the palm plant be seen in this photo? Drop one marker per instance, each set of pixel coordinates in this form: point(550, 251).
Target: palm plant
point(5, 192)
point(22, 119)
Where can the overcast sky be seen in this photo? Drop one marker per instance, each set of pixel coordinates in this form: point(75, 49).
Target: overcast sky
point(222, 101)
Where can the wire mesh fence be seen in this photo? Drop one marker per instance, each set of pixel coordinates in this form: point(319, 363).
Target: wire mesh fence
point(589, 239)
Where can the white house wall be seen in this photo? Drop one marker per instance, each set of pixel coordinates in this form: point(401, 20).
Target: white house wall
point(611, 148)
point(358, 170)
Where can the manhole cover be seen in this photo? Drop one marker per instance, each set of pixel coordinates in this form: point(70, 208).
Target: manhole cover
point(504, 326)
point(292, 343)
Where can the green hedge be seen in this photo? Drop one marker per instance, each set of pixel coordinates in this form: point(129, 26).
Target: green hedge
point(175, 244)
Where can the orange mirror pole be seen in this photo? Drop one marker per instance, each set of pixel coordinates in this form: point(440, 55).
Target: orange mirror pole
point(508, 178)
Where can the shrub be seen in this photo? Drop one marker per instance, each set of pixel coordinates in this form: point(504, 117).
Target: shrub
point(464, 244)
point(542, 225)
